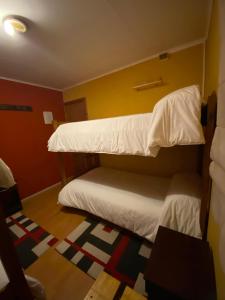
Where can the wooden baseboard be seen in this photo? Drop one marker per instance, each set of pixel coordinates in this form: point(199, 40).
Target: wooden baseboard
point(46, 189)
point(41, 191)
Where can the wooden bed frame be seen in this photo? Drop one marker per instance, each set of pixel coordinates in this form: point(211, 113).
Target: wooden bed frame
point(209, 112)
point(18, 288)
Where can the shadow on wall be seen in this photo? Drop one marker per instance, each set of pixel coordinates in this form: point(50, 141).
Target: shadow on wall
point(168, 162)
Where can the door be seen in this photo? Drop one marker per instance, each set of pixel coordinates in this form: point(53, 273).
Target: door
point(76, 110)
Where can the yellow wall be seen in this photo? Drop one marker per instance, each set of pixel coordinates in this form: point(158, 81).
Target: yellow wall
point(112, 95)
point(211, 83)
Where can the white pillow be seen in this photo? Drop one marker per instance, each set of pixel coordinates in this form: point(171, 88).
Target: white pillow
point(6, 176)
point(176, 119)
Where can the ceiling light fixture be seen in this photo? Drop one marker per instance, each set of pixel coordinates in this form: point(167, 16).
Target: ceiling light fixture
point(12, 24)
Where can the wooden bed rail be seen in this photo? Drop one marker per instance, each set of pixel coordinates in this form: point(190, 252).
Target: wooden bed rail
point(207, 182)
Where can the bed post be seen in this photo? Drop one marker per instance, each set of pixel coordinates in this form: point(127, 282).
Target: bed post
point(207, 182)
point(90, 160)
point(60, 155)
point(62, 168)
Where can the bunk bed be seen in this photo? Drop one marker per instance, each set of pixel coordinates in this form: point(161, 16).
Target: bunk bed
point(136, 202)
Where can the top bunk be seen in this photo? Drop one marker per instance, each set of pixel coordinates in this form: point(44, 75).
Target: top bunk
point(175, 120)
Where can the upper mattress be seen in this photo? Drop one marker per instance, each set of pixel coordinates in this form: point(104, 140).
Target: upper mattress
point(175, 121)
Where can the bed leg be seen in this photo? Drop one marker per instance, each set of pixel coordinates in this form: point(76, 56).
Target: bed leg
point(62, 168)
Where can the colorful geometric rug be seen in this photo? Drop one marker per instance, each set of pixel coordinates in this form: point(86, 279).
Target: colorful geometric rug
point(30, 240)
point(96, 246)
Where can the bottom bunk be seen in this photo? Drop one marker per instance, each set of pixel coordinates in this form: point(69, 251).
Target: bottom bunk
point(139, 203)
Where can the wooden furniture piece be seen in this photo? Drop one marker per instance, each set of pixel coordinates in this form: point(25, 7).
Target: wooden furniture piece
point(208, 122)
point(17, 289)
point(180, 268)
point(10, 200)
point(108, 288)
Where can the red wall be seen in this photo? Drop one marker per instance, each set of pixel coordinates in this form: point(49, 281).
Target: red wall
point(24, 136)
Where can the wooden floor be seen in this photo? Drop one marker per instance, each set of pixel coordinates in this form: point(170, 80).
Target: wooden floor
point(62, 279)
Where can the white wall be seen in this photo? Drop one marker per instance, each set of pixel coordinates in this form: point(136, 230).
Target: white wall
point(218, 147)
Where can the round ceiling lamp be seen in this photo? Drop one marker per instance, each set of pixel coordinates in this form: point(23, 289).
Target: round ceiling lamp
point(13, 24)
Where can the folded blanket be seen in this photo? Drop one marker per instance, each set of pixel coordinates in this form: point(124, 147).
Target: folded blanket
point(181, 209)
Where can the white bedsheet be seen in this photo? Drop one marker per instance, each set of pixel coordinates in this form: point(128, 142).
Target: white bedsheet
point(181, 210)
point(175, 121)
point(132, 201)
point(129, 200)
point(120, 135)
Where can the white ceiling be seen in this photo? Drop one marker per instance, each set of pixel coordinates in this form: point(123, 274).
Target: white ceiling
point(70, 41)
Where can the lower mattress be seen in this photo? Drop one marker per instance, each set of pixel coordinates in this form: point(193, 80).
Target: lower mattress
point(139, 203)
point(129, 200)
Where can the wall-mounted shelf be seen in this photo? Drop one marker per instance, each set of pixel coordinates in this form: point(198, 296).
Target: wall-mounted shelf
point(148, 85)
point(15, 107)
